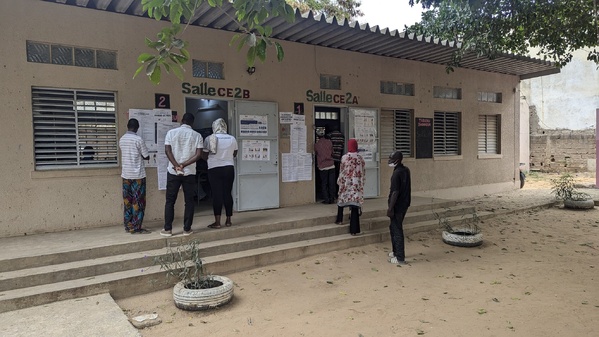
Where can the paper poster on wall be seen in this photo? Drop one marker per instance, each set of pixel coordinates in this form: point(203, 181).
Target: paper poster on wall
point(296, 167)
point(255, 150)
point(153, 126)
point(298, 136)
point(250, 125)
point(285, 117)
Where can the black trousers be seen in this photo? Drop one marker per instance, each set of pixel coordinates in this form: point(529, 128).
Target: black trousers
point(173, 183)
point(397, 238)
point(354, 218)
point(221, 182)
point(327, 184)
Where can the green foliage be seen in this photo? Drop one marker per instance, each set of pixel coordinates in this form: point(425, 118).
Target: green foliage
point(185, 264)
point(341, 9)
point(563, 188)
point(465, 222)
point(490, 27)
point(169, 51)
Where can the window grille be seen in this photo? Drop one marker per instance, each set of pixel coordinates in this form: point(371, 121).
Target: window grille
point(70, 56)
point(330, 82)
point(493, 97)
point(403, 131)
point(394, 88)
point(326, 115)
point(488, 134)
point(205, 69)
point(448, 93)
point(446, 134)
point(74, 128)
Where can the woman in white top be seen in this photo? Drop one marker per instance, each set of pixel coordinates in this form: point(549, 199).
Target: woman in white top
point(220, 149)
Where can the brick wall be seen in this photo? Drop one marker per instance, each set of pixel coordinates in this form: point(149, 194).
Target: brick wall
point(558, 150)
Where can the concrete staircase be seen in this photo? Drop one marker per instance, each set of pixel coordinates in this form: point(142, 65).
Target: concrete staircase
point(127, 269)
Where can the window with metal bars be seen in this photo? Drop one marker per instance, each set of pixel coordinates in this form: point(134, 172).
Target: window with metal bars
point(206, 69)
point(447, 93)
point(330, 82)
point(71, 56)
point(488, 134)
point(395, 88)
point(492, 97)
point(446, 134)
point(74, 128)
point(403, 129)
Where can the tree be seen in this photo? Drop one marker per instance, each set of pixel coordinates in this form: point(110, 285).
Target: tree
point(556, 28)
point(170, 50)
point(347, 9)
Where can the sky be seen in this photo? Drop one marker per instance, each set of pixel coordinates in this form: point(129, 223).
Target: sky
point(393, 14)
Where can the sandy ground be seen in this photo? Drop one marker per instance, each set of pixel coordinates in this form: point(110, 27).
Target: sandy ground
point(535, 275)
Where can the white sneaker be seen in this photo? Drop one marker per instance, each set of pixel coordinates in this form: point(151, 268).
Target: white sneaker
point(391, 254)
point(166, 233)
point(394, 260)
point(189, 232)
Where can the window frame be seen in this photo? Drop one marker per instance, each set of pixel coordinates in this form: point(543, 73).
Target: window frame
point(327, 81)
point(447, 133)
point(403, 133)
point(66, 121)
point(206, 65)
point(485, 135)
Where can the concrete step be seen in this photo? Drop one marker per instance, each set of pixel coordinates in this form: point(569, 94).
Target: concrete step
point(135, 273)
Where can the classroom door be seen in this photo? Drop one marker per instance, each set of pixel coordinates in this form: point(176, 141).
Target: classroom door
point(364, 126)
point(257, 134)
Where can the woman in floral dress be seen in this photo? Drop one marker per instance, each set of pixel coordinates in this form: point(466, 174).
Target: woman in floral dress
point(352, 176)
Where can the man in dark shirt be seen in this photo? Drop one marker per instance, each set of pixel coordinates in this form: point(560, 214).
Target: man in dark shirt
point(400, 196)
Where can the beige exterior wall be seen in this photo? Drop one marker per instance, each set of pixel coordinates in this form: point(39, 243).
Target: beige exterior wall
point(39, 201)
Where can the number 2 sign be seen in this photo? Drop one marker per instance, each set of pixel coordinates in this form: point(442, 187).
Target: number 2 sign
point(162, 101)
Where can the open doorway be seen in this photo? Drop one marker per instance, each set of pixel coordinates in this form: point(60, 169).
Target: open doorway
point(205, 112)
point(326, 119)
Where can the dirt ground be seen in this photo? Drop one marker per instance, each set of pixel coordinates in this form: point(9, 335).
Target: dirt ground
point(535, 275)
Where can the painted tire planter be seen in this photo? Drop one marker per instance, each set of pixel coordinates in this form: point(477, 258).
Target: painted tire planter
point(579, 204)
point(463, 237)
point(203, 299)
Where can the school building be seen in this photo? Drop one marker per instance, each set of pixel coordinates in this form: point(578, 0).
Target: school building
point(67, 85)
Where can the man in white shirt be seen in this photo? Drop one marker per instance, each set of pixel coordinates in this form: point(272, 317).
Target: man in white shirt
point(133, 153)
point(183, 147)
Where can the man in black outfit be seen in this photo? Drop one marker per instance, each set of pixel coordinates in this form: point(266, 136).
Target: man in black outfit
point(400, 196)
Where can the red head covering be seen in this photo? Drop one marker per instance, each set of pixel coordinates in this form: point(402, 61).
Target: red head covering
point(352, 145)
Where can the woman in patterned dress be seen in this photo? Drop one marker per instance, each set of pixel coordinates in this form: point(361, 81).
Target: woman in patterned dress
point(352, 176)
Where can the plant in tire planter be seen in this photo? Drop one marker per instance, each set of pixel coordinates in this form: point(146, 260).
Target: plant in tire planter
point(465, 234)
point(563, 188)
point(195, 290)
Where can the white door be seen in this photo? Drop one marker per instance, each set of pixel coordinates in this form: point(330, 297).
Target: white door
point(257, 133)
point(364, 126)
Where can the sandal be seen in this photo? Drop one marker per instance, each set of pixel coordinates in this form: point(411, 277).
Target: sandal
point(141, 231)
point(214, 225)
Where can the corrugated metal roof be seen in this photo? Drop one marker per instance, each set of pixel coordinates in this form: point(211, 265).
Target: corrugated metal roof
point(344, 35)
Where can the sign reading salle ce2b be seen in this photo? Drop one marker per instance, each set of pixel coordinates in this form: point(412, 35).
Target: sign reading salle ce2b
point(205, 90)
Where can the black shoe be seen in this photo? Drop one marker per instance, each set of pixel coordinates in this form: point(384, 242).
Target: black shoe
point(326, 202)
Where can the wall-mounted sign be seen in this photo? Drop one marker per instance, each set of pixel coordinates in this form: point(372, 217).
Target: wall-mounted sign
point(162, 101)
point(424, 137)
point(298, 108)
point(324, 97)
point(205, 90)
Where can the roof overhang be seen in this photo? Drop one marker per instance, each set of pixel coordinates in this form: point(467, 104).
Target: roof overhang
point(344, 35)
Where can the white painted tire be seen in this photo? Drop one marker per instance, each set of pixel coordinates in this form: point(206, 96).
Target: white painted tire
point(203, 299)
point(471, 240)
point(579, 204)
